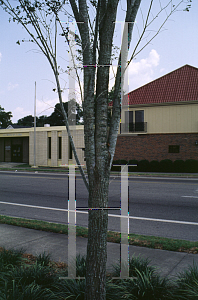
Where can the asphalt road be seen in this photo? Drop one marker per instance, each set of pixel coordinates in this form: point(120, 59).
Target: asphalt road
point(165, 207)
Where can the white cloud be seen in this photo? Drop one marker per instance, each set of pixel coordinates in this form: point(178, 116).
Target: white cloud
point(139, 73)
point(45, 107)
point(142, 72)
point(0, 56)
point(11, 86)
point(19, 113)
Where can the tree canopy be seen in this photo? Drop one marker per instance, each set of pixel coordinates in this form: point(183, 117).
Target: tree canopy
point(55, 119)
point(5, 118)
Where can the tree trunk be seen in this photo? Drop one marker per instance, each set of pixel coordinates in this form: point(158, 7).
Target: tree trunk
point(97, 238)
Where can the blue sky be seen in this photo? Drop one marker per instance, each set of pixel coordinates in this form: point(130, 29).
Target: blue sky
point(21, 66)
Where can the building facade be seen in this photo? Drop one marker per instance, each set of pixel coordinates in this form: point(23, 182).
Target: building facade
point(160, 120)
point(52, 145)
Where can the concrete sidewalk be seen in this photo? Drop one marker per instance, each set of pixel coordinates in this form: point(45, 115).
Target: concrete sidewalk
point(10, 165)
point(168, 263)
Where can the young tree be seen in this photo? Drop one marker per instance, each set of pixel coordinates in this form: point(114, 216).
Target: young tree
point(5, 118)
point(96, 33)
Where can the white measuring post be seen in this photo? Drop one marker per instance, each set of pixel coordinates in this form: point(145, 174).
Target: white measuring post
point(72, 223)
point(71, 175)
point(124, 223)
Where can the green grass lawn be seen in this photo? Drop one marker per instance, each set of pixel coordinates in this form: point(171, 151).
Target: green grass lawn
point(114, 237)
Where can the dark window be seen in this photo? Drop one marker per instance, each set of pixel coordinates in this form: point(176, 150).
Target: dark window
point(49, 147)
point(139, 120)
point(173, 149)
point(60, 147)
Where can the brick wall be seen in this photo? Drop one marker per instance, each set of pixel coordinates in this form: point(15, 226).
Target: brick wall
point(156, 146)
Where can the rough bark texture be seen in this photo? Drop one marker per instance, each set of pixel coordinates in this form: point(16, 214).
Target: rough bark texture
point(99, 147)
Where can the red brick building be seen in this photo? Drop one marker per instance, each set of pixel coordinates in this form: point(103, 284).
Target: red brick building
point(160, 119)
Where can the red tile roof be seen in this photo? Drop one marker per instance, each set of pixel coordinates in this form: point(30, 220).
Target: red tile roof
point(179, 85)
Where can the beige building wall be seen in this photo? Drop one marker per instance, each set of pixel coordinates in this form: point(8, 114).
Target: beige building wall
point(170, 118)
point(54, 148)
point(64, 147)
point(78, 137)
point(41, 148)
point(42, 145)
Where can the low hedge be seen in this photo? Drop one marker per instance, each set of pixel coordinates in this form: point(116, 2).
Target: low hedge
point(164, 166)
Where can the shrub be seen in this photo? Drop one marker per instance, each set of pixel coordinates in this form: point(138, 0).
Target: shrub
point(166, 165)
point(191, 166)
point(144, 283)
point(121, 162)
point(154, 166)
point(80, 266)
point(143, 166)
point(115, 168)
point(135, 263)
point(178, 166)
point(70, 289)
point(147, 286)
point(29, 292)
point(10, 258)
point(187, 284)
point(118, 162)
point(43, 259)
point(133, 162)
point(26, 275)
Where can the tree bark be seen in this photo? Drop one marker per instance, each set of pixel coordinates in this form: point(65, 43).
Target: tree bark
point(97, 238)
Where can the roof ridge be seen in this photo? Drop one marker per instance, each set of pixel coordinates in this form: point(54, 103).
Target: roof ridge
point(186, 65)
point(178, 85)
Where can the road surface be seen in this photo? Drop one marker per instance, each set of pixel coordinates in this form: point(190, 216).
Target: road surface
point(165, 207)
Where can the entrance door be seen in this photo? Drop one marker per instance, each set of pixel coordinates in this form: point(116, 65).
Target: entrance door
point(17, 153)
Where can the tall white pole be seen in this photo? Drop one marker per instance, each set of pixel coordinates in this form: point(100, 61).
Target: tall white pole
point(35, 127)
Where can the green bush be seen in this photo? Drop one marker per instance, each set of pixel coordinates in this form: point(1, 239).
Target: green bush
point(39, 282)
point(133, 162)
point(187, 284)
point(121, 162)
point(143, 166)
point(178, 166)
point(135, 263)
point(80, 266)
point(115, 168)
point(118, 162)
point(29, 292)
point(147, 286)
point(70, 289)
point(27, 282)
point(166, 165)
point(10, 258)
point(144, 282)
point(26, 275)
point(43, 259)
point(154, 166)
point(191, 166)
